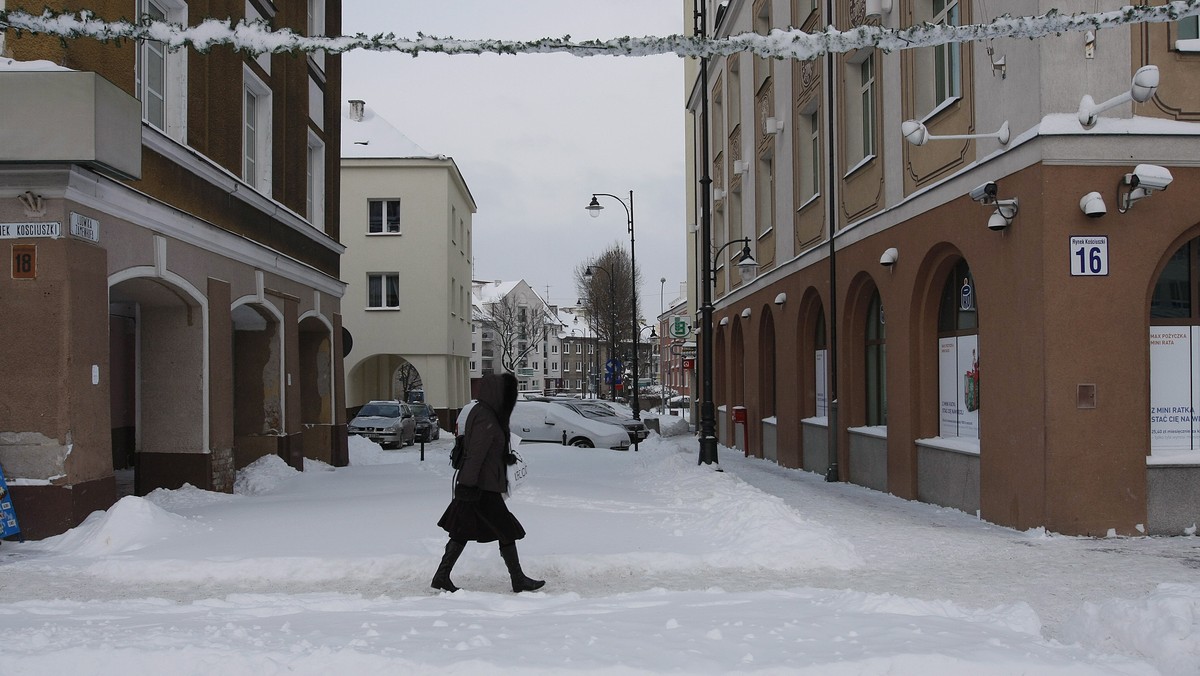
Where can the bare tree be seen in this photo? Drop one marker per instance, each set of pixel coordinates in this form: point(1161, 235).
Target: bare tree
point(517, 329)
point(407, 380)
point(606, 296)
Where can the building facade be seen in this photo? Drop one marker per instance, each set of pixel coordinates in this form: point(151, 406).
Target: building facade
point(895, 287)
point(406, 216)
point(517, 332)
point(173, 307)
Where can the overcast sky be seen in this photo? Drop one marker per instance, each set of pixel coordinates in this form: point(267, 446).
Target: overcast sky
point(536, 135)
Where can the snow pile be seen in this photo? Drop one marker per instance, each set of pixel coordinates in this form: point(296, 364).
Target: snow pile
point(127, 526)
point(363, 451)
point(186, 497)
point(1165, 626)
point(263, 476)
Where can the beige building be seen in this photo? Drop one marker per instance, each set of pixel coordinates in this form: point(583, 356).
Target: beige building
point(1018, 351)
point(406, 217)
point(171, 295)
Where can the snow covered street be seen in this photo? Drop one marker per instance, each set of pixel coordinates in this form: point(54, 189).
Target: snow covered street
point(653, 565)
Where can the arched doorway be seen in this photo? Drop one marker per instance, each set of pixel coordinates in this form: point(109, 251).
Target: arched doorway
point(158, 389)
point(258, 383)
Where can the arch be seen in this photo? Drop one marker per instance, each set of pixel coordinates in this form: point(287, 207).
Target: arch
point(768, 395)
point(382, 376)
point(932, 277)
point(160, 380)
point(860, 294)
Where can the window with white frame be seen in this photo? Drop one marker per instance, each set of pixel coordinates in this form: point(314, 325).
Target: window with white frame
point(256, 132)
point(383, 291)
point(315, 182)
point(810, 157)
point(472, 365)
point(938, 69)
point(1187, 34)
point(316, 28)
point(161, 74)
point(383, 217)
point(860, 107)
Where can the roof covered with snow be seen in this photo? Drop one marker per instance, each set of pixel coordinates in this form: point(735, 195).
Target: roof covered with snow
point(12, 64)
point(374, 137)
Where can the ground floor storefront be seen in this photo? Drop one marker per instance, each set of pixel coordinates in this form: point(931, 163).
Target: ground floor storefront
point(142, 339)
point(1041, 375)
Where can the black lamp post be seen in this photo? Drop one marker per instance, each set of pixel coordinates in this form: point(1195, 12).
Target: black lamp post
point(707, 429)
point(594, 209)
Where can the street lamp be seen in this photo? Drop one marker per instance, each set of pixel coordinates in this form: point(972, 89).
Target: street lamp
point(707, 429)
point(662, 363)
point(612, 333)
point(594, 209)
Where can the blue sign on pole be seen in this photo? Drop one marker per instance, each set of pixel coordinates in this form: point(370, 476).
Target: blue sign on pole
point(8, 514)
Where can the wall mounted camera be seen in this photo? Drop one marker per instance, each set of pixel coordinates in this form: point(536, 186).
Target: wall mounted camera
point(986, 193)
point(889, 257)
point(1092, 205)
point(1142, 183)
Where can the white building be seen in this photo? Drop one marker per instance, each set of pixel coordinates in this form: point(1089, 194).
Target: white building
point(407, 267)
point(516, 331)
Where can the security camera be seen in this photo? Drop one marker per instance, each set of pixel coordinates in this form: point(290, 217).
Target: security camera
point(1149, 177)
point(1002, 217)
point(997, 221)
point(1092, 205)
point(985, 193)
point(889, 257)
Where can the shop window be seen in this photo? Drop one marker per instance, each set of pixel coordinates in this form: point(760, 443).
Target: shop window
point(958, 356)
point(876, 353)
point(821, 367)
point(1174, 354)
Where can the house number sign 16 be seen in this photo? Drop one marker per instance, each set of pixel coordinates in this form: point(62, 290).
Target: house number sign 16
point(1089, 256)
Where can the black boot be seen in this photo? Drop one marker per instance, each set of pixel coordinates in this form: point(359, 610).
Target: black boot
point(520, 583)
point(441, 579)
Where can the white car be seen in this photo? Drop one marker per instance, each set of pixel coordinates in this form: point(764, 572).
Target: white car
point(540, 422)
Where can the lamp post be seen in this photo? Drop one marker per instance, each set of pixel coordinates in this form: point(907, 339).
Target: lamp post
point(612, 323)
point(662, 363)
point(707, 429)
point(594, 209)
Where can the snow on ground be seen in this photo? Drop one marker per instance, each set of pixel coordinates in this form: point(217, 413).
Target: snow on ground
point(653, 565)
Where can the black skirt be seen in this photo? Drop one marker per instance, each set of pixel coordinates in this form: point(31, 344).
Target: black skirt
point(487, 520)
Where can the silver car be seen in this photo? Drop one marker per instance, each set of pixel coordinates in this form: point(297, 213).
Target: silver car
point(390, 424)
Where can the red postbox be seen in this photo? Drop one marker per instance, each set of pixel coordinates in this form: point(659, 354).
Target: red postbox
point(739, 418)
point(739, 415)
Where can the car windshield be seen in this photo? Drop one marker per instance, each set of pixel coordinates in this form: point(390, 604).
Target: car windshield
point(380, 410)
point(597, 410)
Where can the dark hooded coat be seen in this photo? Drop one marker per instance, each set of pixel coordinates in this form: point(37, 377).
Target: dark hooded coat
point(478, 511)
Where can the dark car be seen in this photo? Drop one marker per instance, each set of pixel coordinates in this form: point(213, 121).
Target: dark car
point(596, 411)
point(387, 423)
point(428, 428)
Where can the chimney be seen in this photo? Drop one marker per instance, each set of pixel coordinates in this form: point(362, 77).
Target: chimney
point(356, 109)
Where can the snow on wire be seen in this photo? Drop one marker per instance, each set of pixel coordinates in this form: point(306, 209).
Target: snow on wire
point(257, 37)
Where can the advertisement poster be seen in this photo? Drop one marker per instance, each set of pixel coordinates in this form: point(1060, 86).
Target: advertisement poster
point(822, 387)
point(947, 387)
point(8, 514)
point(959, 394)
point(1171, 359)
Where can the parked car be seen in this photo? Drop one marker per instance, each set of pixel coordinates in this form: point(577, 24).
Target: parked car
point(428, 428)
point(682, 401)
point(390, 424)
point(548, 423)
point(597, 411)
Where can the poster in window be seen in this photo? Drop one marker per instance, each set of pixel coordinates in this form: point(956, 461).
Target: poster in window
point(948, 387)
point(822, 389)
point(1171, 387)
point(968, 386)
point(8, 513)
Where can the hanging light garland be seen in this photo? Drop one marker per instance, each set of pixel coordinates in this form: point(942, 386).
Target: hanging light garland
point(258, 37)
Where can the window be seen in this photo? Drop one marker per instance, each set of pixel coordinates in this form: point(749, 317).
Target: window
point(554, 349)
point(554, 366)
point(1187, 35)
point(315, 182)
point(383, 291)
point(946, 57)
point(1174, 339)
point(472, 364)
point(958, 356)
point(162, 74)
point(810, 156)
point(820, 368)
point(860, 108)
point(876, 353)
point(316, 27)
point(383, 217)
point(937, 74)
point(256, 133)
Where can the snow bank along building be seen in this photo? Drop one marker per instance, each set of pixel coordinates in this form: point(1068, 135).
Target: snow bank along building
point(170, 230)
point(1007, 315)
point(406, 216)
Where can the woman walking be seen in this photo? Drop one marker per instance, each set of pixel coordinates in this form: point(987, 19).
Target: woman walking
point(477, 511)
